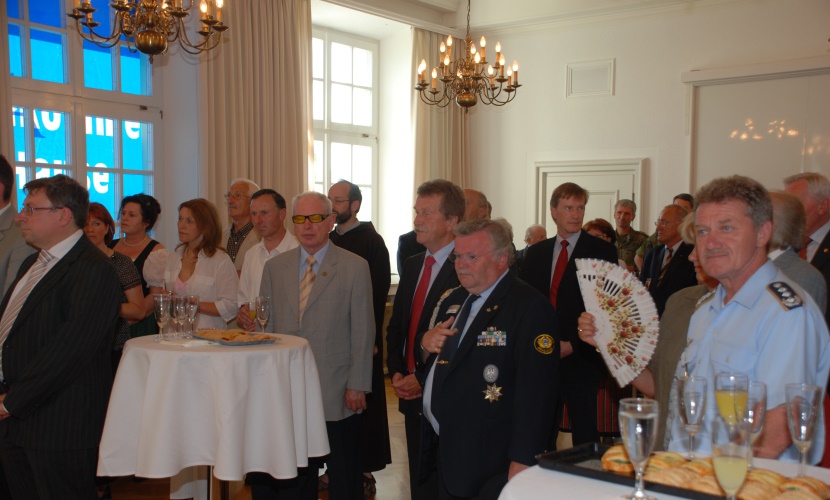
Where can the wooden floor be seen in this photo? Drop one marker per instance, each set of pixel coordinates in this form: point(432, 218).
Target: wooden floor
point(392, 482)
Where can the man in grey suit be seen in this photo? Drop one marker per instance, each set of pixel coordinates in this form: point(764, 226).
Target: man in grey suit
point(323, 293)
point(13, 248)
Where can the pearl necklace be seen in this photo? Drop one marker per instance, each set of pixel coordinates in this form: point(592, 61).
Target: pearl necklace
point(124, 241)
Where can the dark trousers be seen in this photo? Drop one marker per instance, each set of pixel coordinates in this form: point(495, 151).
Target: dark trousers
point(302, 487)
point(45, 475)
point(581, 397)
point(490, 490)
point(412, 426)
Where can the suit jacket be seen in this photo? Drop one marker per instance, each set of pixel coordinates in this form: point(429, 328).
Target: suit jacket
point(338, 321)
point(821, 261)
point(398, 329)
point(56, 359)
point(804, 275)
point(680, 273)
point(13, 249)
point(538, 272)
point(480, 437)
point(408, 246)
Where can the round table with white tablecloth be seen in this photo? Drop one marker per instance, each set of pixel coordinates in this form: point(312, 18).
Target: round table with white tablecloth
point(238, 409)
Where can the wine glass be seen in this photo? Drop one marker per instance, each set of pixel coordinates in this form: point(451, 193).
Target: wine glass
point(638, 425)
point(192, 308)
point(756, 411)
point(691, 397)
point(161, 308)
point(803, 407)
point(731, 395)
point(730, 453)
point(179, 314)
point(252, 313)
point(263, 311)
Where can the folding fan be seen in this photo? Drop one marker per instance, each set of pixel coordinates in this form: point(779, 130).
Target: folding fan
point(626, 317)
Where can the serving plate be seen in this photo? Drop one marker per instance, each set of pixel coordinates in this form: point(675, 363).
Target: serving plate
point(272, 340)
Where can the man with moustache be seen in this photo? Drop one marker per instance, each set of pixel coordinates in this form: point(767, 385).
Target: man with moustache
point(426, 277)
point(686, 201)
point(628, 238)
point(237, 237)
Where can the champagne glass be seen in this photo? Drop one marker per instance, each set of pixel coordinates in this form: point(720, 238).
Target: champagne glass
point(179, 314)
point(161, 308)
point(691, 397)
point(731, 395)
point(638, 425)
point(756, 411)
point(730, 453)
point(263, 311)
point(192, 308)
point(803, 407)
point(252, 313)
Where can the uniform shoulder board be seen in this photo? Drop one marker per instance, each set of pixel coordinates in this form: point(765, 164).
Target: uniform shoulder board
point(432, 321)
point(785, 295)
point(706, 298)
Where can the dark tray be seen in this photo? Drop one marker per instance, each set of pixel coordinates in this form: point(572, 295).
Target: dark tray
point(585, 460)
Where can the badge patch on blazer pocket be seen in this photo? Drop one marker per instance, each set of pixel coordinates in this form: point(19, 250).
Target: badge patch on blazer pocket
point(544, 344)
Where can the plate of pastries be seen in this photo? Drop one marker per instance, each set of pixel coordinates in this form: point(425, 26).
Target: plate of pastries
point(235, 337)
point(698, 475)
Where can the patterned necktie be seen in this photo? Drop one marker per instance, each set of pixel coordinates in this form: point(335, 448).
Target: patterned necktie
point(13, 309)
point(665, 265)
point(306, 284)
point(558, 272)
point(417, 309)
point(442, 364)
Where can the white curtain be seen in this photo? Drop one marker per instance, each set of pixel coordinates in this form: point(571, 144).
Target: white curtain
point(442, 135)
point(256, 98)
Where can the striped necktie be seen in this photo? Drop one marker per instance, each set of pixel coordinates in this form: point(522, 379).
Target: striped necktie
point(306, 283)
point(665, 265)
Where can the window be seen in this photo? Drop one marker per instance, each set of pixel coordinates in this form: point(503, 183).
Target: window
point(345, 96)
point(78, 109)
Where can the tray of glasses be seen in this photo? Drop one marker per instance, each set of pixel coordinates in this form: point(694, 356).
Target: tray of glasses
point(236, 338)
point(586, 460)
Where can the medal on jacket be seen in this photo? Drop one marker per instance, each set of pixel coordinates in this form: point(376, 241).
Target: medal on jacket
point(492, 392)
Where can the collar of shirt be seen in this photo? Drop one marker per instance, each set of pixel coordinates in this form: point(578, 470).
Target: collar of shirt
point(59, 250)
point(572, 239)
point(319, 256)
point(774, 254)
point(750, 292)
point(443, 254)
point(288, 242)
point(346, 227)
point(243, 231)
point(5, 209)
point(477, 305)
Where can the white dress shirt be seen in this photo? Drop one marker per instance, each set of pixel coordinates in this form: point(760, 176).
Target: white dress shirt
point(255, 259)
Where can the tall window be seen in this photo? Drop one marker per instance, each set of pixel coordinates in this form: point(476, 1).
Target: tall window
point(345, 97)
point(78, 109)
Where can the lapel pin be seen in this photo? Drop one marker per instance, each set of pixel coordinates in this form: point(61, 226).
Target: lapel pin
point(324, 273)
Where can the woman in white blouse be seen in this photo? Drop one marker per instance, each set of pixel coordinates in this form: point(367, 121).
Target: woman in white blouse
point(200, 266)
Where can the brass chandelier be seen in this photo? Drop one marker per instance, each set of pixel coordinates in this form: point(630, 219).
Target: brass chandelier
point(150, 26)
point(469, 78)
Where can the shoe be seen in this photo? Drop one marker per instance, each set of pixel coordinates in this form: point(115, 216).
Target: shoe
point(370, 487)
point(323, 482)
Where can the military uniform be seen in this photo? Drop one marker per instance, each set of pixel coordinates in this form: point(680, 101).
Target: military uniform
point(627, 245)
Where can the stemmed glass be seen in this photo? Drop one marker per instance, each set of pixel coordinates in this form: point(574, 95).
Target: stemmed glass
point(691, 397)
point(263, 311)
point(638, 425)
point(161, 308)
point(731, 395)
point(803, 407)
point(252, 313)
point(756, 411)
point(730, 453)
point(192, 309)
point(179, 314)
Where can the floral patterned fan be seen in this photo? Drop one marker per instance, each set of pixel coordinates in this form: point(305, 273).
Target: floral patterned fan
point(626, 317)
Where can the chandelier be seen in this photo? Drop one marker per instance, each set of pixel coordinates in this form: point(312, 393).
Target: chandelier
point(149, 26)
point(469, 78)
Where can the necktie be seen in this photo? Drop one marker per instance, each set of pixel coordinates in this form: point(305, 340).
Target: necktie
point(803, 252)
point(665, 265)
point(417, 309)
point(442, 364)
point(306, 284)
point(558, 272)
point(13, 309)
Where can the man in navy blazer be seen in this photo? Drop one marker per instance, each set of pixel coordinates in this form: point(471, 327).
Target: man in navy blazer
point(581, 366)
point(492, 370)
point(56, 363)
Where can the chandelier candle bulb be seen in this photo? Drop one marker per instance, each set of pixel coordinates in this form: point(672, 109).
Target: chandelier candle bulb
point(203, 7)
point(449, 46)
point(421, 68)
point(515, 73)
point(498, 51)
point(219, 5)
point(483, 44)
point(434, 77)
point(77, 4)
point(509, 77)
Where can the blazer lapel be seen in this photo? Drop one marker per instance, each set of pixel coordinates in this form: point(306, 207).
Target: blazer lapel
point(291, 281)
point(483, 319)
point(822, 255)
point(328, 269)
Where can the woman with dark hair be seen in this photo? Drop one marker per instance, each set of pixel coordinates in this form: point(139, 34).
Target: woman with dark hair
point(603, 230)
point(199, 265)
point(137, 215)
point(99, 229)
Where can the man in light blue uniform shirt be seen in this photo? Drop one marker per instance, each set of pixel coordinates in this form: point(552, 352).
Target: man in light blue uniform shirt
point(756, 322)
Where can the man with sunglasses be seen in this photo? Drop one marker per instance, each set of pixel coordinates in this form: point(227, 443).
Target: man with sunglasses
point(323, 293)
point(239, 237)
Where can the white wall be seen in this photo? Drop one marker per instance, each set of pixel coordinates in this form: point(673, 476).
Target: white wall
point(648, 114)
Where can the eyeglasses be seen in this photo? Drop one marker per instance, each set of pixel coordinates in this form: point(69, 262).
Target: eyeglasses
point(340, 200)
point(29, 211)
point(664, 223)
point(468, 258)
point(235, 196)
point(315, 218)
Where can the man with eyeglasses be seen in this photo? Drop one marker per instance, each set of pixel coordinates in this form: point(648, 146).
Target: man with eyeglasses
point(361, 239)
point(492, 364)
point(56, 330)
point(667, 268)
point(323, 293)
point(238, 235)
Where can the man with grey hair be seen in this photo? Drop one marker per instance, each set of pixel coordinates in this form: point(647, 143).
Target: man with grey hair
point(239, 237)
point(534, 234)
point(756, 321)
point(788, 220)
point(476, 205)
point(628, 238)
point(500, 324)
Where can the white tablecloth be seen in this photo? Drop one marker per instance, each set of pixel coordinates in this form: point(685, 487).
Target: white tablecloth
point(239, 409)
point(536, 483)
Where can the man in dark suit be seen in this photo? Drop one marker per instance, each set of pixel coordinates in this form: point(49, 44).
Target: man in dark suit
point(666, 268)
point(492, 370)
point(407, 247)
point(438, 208)
point(57, 326)
point(550, 268)
point(534, 234)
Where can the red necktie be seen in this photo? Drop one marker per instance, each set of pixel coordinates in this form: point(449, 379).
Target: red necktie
point(558, 272)
point(417, 309)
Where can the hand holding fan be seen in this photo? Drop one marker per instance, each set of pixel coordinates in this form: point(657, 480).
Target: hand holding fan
point(625, 314)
